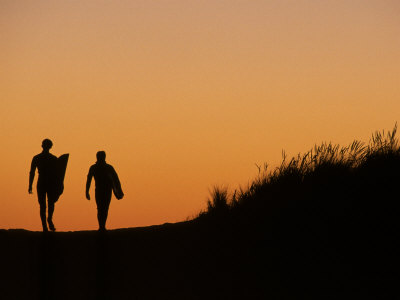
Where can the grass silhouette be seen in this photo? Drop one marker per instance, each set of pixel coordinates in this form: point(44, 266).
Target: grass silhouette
point(327, 164)
point(332, 212)
point(323, 224)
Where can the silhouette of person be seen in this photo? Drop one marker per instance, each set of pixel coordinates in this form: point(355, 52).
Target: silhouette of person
point(107, 181)
point(45, 162)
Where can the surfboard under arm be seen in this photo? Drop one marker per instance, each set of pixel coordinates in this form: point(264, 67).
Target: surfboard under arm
point(61, 168)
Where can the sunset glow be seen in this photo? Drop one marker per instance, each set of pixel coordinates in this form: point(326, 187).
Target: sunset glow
point(184, 95)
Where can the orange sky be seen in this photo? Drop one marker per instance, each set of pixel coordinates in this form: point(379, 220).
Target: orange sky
point(183, 95)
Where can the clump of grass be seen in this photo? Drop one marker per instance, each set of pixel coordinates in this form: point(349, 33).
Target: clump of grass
point(218, 204)
point(382, 143)
point(333, 210)
point(323, 163)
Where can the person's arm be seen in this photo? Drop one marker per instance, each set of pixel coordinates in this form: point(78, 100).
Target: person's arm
point(32, 174)
point(88, 182)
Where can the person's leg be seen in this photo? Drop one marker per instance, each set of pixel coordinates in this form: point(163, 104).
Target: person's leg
point(51, 200)
point(105, 211)
point(103, 200)
point(101, 218)
point(99, 202)
point(101, 214)
point(41, 193)
point(50, 216)
point(99, 210)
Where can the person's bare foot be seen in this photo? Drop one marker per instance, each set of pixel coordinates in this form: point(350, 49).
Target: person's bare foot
point(51, 225)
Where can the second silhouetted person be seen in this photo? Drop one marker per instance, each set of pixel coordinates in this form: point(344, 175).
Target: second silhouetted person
point(107, 181)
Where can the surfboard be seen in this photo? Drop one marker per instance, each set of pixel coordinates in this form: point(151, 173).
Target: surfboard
point(116, 186)
point(61, 168)
point(117, 191)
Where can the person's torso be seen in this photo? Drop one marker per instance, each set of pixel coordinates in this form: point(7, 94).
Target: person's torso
point(102, 173)
point(46, 165)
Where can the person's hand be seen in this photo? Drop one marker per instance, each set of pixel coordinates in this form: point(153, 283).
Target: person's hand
point(119, 196)
point(30, 190)
point(87, 195)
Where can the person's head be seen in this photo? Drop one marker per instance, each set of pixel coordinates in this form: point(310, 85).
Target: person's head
point(47, 144)
point(101, 156)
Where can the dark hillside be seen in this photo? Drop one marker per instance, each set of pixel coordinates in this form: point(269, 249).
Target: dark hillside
point(333, 214)
point(322, 225)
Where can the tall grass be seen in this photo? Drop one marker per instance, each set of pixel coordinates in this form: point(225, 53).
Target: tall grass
point(219, 200)
point(321, 164)
point(331, 214)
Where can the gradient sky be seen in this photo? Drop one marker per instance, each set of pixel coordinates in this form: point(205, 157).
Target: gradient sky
point(184, 95)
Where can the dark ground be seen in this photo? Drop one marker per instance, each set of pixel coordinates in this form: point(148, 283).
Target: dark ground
point(326, 229)
point(172, 261)
point(202, 259)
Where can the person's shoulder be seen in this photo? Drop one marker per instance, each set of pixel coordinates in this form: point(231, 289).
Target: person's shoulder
point(110, 167)
point(43, 155)
point(48, 157)
point(35, 159)
point(37, 156)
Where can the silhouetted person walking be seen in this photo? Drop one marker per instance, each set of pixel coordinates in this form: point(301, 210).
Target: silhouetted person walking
point(46, 164)
point(107, 181)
